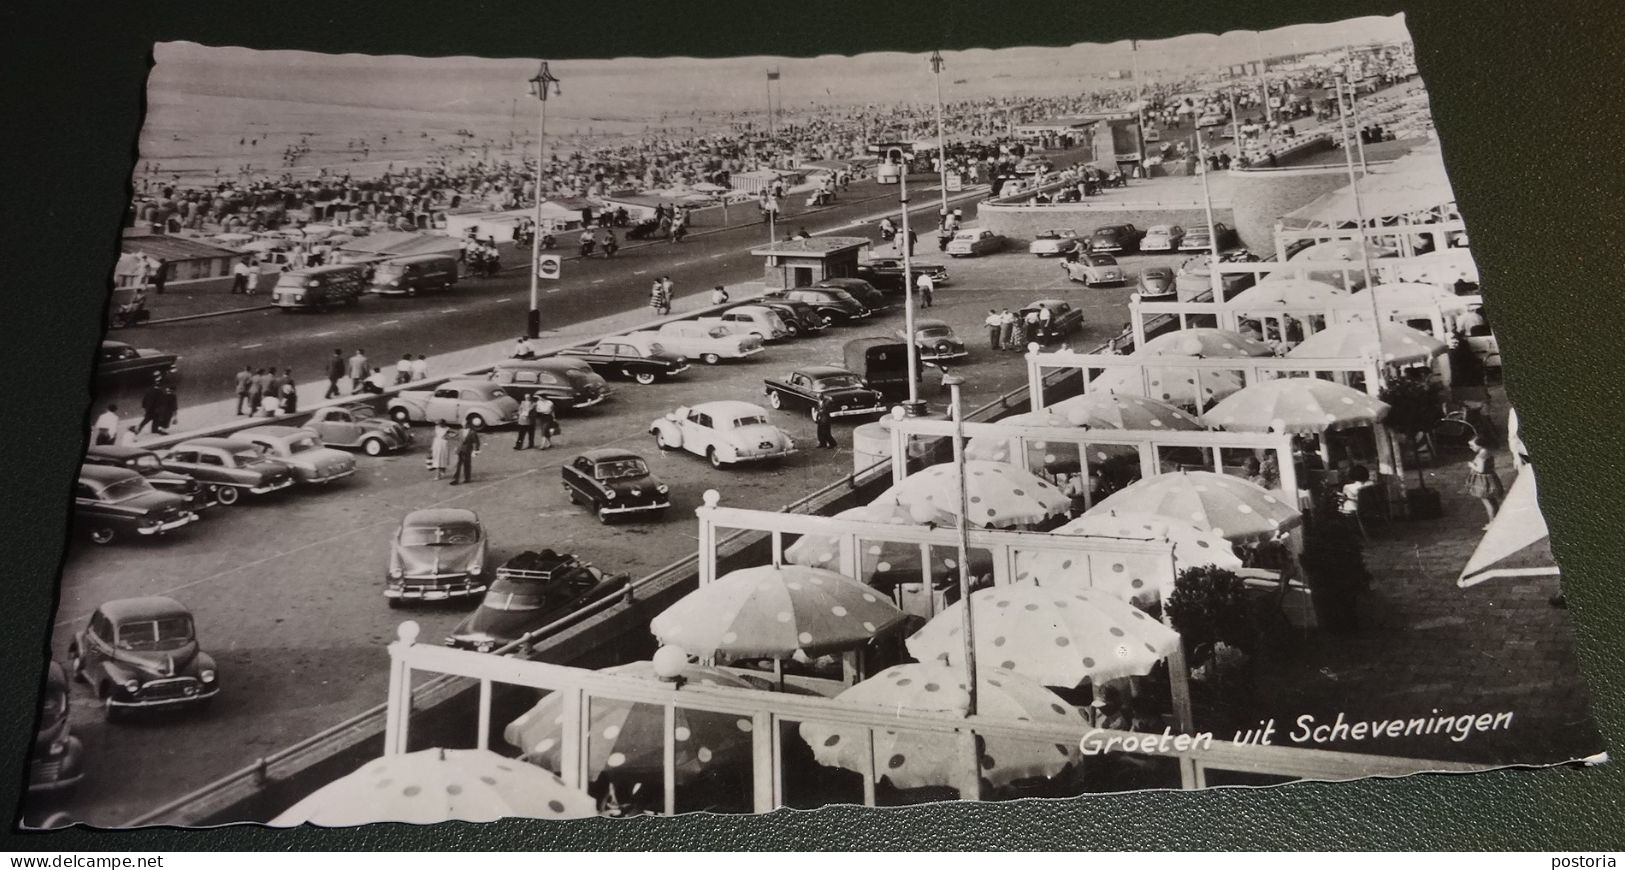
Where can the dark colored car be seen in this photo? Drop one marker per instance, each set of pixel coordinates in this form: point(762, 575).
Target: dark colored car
point(121, 361)
point(1064, 320)
point(882, 363)
point(936, 340)
point(143, 652)
point(437, 553)
point(799, 317)
point(614, 483)
point(634, 358)
point(1117, 238)
point(1156, 282)
point(838, 392)
point(110, 503)
point(887, 274)
point(531, 591)
point(569, 382)
point(58, 760)
point(860, 290)
point(228, 467)
point(147, 464)
point(832, 302)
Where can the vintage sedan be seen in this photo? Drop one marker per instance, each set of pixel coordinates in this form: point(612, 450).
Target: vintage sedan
point(710, 344)
point(143, 652)
point(1162, 237)
point(799, 317)
point(636, 357)
point(1117, 238)
point(436, 554)
point(120, 361)
point(614, 483)
point(936, 340)
point(832, 302)
point(471, 403)
point(974, 243)
point(724, 432)
point(228, 466)
point(1156, 282)
point(110, 503)
point(147, 464)
point(302, 451)
point(1063, 320)
point(531, 591)
point(1094, 270)
point(838, 392)
point(858, 289)
point(568, 382)
point(757, 320)
point(1200, 238)
point(886, 273)
point(1054, 243)
point(358, 425)
point(58, 759)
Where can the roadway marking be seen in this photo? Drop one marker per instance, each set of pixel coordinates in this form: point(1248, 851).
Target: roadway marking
point(598, 281)
point(506, 299)
point(718, 256)
point(682, 263)
point(448, 311)
point(327, 333)
point(252, 346)
point(555, 290)
point(388, 322)
point(641, 272)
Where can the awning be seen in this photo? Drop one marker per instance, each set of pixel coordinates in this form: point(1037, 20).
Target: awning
point(1517, 525)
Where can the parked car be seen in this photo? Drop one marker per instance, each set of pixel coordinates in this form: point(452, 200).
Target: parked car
point(635, 357)
point(832, 302)
point(799, 317)
point(757, 320)
point(974, 243)
point(886, 273)
point(936, 340)
point(1064, 320)
point(1054, 243)
point(858, 289)
point(436, 554)
point(531, 591)
point(110, 503)
point(58, 758)
point(724, 432)
point(709, 344)
point(406, 276)
point(838, 392)
point(1162, 237)
point(147, 464)
point(1094, 270)
point(1199, 238)
point(570, 383)
point(1117, 238)
point(614, 483)
point(1194, 280)
point(1156, 282)
point(358, 425)
point(882, 363)
point(143, 652)
point(229, 466)
point(301, 450)
point(118, 360)
point(476, 404)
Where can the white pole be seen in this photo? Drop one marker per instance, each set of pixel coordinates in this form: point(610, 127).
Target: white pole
point(942, 139)
point(1263, 81)
point(954, 382)
point(1139, 95)
point(533, 324)
point(1359, 211)
point(1215, 280)
point(908, 296)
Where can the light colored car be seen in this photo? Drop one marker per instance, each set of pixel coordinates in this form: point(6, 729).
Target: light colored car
point(436, 554)
point(476, 404)
point(1156, 282)
point(709, 343)
point(724, 432)
point(1162, 237)
point(757, 320)
point(1093, 270)
point(302, 451)
point(359, 426)
point(1054, 243)
point(974, 243)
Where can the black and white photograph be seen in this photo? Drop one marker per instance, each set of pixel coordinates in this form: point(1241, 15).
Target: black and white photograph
point(567, 437)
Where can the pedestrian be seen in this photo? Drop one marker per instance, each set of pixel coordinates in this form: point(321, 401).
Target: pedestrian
point(545, 418)
point(666, 293)
point(240, 277)
point(403, 369)
point(441, 450)
point(335, 370)
point(522, 349)
point(1019, 331)
point(160, 275)
point(1482, 481)
point(925, 285)
point(1045, 318)
point(244, 378)
point(522, 427)
point(256, 392)
point(719, 295)
point(1007, 326)
point(289, 392)
point(468, 447)
point(420, 368)
point(105, 429)
point(358, 370)
point(912, 237)
point(992, 322)
point(271, 404)
point(377, 383)
point(821, 419)
point(654, 297)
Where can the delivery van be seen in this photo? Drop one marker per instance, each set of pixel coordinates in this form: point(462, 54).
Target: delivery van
point(406, 276)
point(319, 288)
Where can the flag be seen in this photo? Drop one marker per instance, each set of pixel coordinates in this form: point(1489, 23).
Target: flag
point(772, 75)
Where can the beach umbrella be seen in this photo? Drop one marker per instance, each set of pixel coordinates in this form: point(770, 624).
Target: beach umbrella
point(1297, 406)
point(915, 759)
point(1129, 577)
point(998, 494)
point(1289, 292)
point(1189, 387)
point(1233, 508)
point(1411, 296)
point(1399, 343)
point(776, 611)
point(1102, 410)
point(884, 563)
point(1205, 342)
point(991, 449)
point(626, 737)
point(1055, 636)
point(440, 785)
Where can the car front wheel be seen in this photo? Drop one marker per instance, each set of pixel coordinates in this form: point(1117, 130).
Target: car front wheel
point(400, 416)
point(644, 378)
point(372, 447)
point(710, 359)
point(226, 495)
point(775, 399)
point(475, 421)
point(715, 458)
point(661, 442)
point(103, 535)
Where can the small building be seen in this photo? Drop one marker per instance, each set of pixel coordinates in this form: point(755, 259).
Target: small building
point(757, 180)
point(185, 259)
point(805, 262)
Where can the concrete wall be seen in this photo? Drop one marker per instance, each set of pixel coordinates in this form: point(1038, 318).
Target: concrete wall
point(1022, 223)
point(1260, 197)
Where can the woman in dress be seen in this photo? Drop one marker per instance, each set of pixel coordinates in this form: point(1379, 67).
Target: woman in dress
point(441, 450)
point(1482, 481)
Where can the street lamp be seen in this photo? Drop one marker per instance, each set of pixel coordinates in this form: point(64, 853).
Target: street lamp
point(538, 89)
point(942, 146)
point(953, 383)
point(1215, 280)
point(888, 173)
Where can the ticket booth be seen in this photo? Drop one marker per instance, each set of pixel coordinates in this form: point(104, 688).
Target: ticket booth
point(805, 262)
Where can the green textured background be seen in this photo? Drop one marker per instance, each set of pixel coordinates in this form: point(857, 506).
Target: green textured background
point(1528, 104)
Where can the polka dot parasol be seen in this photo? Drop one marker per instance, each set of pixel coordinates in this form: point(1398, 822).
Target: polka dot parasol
point(1186, 387)
point(776, 611)
point(910, 759)
point(1054, 636)
point(1289, 292)
point(1206, 342)
point(1297, 406)
point(882, 564)
point(1400, 344)
point(440, 785)
point(1092, 410)
point(1140, 579)
point(1233, 508)
point(997, 494)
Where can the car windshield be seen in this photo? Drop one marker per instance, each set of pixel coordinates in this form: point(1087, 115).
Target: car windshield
point(388, 271)
point(362, 412)
point(1050, 234)
point(500, 598)
point(128, 488)
point(302, 444)
point(654, 347)
point(1102, 260)
point(620, 469)
point(1157, 231)
point(966, 236)
point(447, 535)
point(836, 382)
point(1106, 232)
point(750, 420)
point(1158, 273)
point(247, 455)
point(719, 332)
point(170, 632)
point(146, 462)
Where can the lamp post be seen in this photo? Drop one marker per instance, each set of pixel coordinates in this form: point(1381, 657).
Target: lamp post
point(1215, 280)
point(914, 406)
point(1359, 213)
point(539, 88)
point(1139, 96)
point(942, 141)
point(953, 383)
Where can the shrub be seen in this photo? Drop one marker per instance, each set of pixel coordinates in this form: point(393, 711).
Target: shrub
point(1209, 605)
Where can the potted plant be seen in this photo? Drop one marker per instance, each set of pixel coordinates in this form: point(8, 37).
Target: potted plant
point(1212, 612)
point(1414, 408)
point(1334, 568)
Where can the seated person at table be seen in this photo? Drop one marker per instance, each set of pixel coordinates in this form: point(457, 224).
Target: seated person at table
point(1359, 478)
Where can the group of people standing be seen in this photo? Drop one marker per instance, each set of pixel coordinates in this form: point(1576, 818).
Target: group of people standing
point(160, 409)
point(368, 378)
point(660, 295)
point(1010, 330)
point(264, 392)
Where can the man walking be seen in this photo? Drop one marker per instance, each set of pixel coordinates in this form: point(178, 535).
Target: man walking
point(527, 410)
point(665, 295)
point(420, 368)
point(152, 406)
point(543, 417)
point(358, 371)
point(925, 285)
point(244, 377)
point(105, 429)
point(335, 370)
point(160, 274)
point(168, 409)
point(826, 438)
point(289, 392)
point(468, 447)
point(1007, 327)
point(239, 277)
point(403, 369)
point(991, 321)
point(256, 392)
